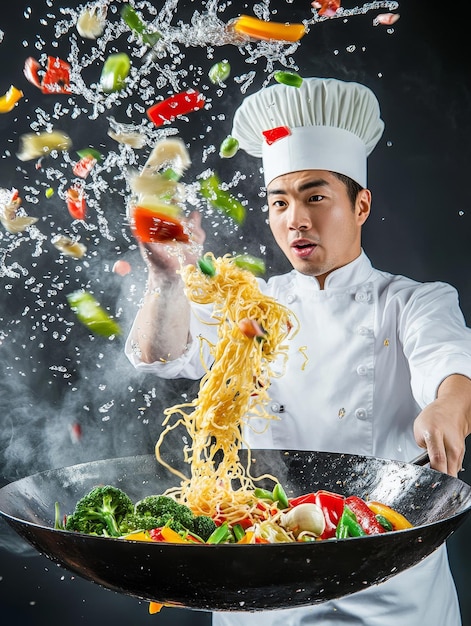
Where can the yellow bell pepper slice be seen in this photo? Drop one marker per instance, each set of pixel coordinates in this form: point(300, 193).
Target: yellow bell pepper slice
point(398, 521)
point(247, 538)
point(170, 535)
point(261, 29)
point(155, 607)
point(9, 99)
point(140, 535)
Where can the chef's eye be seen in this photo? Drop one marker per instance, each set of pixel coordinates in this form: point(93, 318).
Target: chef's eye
point(316, 198)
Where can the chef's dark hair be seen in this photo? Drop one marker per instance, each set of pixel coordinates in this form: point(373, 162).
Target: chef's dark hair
point(353, 188)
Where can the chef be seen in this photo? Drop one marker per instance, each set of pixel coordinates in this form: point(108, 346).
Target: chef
point(381, 365)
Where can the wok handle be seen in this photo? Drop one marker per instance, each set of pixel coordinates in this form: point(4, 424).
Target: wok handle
point(422, 459)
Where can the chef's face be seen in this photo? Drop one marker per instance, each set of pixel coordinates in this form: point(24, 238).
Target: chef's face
point(314, 222)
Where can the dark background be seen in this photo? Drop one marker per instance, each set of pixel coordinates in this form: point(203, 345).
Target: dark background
point(55, 375)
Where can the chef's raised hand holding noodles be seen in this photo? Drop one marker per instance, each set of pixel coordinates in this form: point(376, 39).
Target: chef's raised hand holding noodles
point(380, 364)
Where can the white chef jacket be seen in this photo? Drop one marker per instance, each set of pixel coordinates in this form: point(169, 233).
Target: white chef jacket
point(371, 350)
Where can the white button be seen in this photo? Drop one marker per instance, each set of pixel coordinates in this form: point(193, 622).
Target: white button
point(362, 370)
point(361, 414)
point(290, 299)
point(363, 330)
point(276, 407)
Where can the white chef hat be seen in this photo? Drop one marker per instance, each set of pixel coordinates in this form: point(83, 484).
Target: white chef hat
point(333, 125)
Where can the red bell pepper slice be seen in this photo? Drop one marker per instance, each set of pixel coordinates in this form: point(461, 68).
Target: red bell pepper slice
point(365, 516)
point(176, 105)
point(56, 78)
point(332, 506)
point(76, 203)
point(305, 498)
point(153, 227)
point(326, 7)
point(273, 134)
point(31, 71)
point(83, 167)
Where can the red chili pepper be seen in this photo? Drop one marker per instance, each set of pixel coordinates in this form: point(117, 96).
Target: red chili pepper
point(56, 79)
point(365, 516)
point(76, 203)
point(178, 104)
point(153, 227)
point(332, 506)
point(273, 134)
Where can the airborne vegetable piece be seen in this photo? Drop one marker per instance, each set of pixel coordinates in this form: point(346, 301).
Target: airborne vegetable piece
point(9, 100)
point(91, 314)
point(288, 78)
point(91, 22)
point(157, 225)
point(10, 216)
point(175, 106)
point(69, 247)
point(137, 25)
point(219, 72)
point(251, 263)
point(228, 147)
point(76, 203)
point(55, 79)
point(115, 71)
point(210, 188)
point(260, 29)
point(36, 145)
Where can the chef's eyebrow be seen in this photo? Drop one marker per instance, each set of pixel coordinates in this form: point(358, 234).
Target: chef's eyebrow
point(311, 184)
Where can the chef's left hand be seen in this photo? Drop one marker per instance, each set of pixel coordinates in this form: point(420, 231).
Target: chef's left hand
point(444, 424)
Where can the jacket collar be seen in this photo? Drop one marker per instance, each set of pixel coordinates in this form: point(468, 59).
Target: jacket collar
point(354, 273)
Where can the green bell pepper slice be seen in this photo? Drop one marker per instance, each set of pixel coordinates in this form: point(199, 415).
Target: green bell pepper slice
point(91, 314)
point(115, 71)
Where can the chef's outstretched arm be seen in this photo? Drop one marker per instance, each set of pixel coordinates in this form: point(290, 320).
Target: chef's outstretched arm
point(444, 424)
point(161, 327)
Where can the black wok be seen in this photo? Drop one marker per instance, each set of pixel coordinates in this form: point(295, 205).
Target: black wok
point(243, 577)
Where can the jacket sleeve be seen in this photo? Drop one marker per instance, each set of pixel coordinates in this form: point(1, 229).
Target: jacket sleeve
point(435, 338)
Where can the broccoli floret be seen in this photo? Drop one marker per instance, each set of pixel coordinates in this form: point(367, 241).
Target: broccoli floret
point(101, 511)
point(156, 506)
point(167, 512)
point(203, 526)
point(135, 522)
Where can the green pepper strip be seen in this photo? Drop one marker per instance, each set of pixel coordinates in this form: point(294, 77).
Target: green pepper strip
point(221, 199)
point(239, 532)
point(207, 266)
point(90, 152)
point(115, 71)
point(220, 535)
point(348, 525)
point(279, 495)
point(385, 523)
point(135, 23)
point(263, 494)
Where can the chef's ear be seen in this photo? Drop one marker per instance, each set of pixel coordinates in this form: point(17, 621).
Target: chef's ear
point(363, 206)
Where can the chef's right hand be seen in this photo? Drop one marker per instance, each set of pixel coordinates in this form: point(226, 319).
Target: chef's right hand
point(169, 257)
